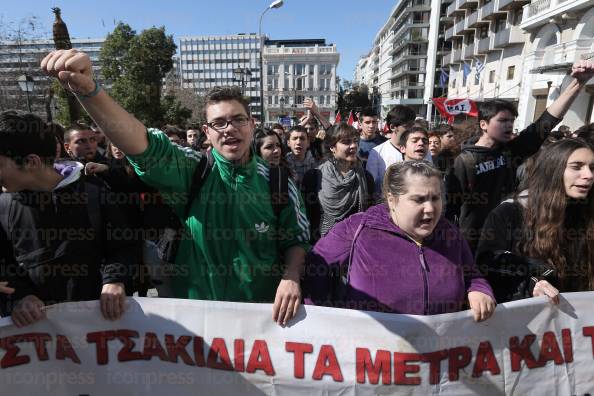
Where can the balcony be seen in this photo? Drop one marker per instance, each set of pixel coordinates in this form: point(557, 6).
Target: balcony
point(472, 19)
point(510, 36)
point(447, 59)
point(466, 3)
point(484, 45)
point(451, 8)
point(458, 6)
point(540, 12)
point(457, 55)
point(469, 51)
point(459, 28)
point(406, 70)
point(449, 33)
point(491, 10)
point(538, 7)
point(508, 5)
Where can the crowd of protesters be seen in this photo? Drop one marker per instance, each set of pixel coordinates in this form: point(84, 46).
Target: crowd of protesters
point(411, 219)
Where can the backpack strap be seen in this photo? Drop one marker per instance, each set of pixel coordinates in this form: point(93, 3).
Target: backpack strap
point(470, 166)
point(5, 203)
point(200, 174)
point(279, 188)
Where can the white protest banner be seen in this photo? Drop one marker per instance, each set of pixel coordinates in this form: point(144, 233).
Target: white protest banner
point(184, 347)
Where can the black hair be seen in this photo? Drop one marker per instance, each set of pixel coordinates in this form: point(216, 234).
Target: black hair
point(367, 112)
point(400, 115)
point(259, 135)
point(404, 136)
point(297, 128)
point(489, 109)
point(225, 94)
point(23, 133)
point(75, 126)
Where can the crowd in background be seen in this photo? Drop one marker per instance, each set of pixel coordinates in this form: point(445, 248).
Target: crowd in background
point(413, 218)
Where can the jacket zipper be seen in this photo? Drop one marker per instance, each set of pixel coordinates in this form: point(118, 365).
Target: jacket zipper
point(424, 270)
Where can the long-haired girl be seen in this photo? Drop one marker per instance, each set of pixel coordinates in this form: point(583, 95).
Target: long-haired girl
point(542, 241)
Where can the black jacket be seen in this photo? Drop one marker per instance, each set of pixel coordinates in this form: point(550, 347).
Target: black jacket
point(482, 177)
point(65, 244)
point(511, 275)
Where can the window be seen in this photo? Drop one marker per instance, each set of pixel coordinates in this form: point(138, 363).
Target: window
point(325, 68)
point(500, 24)
point(272, 69)
point(322, 98)
point(492, 76)
point(299, 69)
point(510, 72)
point(483, 32)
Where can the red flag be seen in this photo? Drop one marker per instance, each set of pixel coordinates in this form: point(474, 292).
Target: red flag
point(338, 118)
point(449, 108)
point(351, 118)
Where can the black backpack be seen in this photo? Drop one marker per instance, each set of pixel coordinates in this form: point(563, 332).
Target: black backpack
point(168, 244)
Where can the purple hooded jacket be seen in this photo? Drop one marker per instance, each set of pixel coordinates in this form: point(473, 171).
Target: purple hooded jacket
point(388, 271)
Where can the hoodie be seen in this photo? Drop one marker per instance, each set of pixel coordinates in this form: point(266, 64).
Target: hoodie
point(64, 243)
point(389, 272)
point(482, 177)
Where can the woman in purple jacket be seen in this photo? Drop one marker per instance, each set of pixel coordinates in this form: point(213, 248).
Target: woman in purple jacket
point(400, 257)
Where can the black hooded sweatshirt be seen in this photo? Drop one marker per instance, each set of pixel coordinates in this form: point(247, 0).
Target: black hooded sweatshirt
point(482, 177)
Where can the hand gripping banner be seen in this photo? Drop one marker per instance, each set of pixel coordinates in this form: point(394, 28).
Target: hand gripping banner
point(449, 108)
point(185, 347)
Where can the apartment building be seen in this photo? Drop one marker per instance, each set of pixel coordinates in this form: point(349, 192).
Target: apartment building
point(487, 56)
point(560, 33)
point(403, 65)
point(296, 69)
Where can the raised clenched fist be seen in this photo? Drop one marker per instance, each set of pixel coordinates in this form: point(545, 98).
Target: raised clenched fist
point(72, 69)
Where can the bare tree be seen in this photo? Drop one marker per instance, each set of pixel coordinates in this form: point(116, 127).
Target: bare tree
point(185, 96)
point(18, 59)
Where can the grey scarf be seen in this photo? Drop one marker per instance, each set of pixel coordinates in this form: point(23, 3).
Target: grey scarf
point(339, 194)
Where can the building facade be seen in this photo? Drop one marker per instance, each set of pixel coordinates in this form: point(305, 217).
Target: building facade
point(22, 58)
point(209, 61)
point(560, 33)
point(402, 67)
point(487, 52)
point(294, 70)
point(522, 51)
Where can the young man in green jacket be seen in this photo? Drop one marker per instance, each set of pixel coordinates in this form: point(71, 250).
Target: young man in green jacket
point(239, 250)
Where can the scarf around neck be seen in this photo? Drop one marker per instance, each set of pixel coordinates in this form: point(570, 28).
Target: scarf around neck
point(339, 194)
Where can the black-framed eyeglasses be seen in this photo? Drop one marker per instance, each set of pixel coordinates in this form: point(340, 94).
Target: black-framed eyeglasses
point(220, 125)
